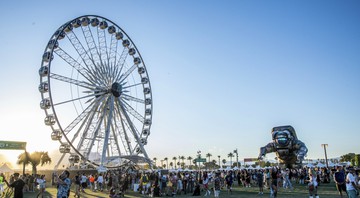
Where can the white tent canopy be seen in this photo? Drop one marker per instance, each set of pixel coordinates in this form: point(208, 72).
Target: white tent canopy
point(6, 169)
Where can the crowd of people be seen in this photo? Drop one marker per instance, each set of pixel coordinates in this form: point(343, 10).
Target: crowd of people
point(195, 183)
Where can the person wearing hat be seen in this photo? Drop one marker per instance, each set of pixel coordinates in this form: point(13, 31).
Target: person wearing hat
point(351, 187)
point(18, 186)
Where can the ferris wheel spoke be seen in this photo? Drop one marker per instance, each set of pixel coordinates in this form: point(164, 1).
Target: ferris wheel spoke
point(95, 133)
point(131, 98)
point(116, 147)
point(73, 63)
point(133, 130)
point(72, 81)
point(127, 144)
point(134, 85)
point(120, 63)
point(88, 128)
point(104, 57)
point(98, 93)
point(90, 41)
point(107, 130)
point(82, 115)
point(76, 43)
point(127, 73)
point(113, 50)
point(132, 111)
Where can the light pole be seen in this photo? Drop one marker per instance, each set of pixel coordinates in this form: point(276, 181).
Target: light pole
point(219, 161)
point(326, 160)
point(199, 157)
point(237, 158)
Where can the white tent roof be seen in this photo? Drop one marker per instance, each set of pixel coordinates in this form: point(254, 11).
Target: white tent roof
point(320, 165)
point(6, 169)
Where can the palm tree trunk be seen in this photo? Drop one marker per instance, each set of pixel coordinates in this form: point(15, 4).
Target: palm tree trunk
point(34, 170)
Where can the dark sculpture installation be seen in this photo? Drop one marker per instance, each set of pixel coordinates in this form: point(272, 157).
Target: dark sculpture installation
point(289, 150)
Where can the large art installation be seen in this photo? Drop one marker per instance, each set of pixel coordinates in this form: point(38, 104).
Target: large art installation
point(289, 150)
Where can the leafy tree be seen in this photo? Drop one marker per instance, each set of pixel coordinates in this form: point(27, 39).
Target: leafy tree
point(189, 158)
point(357, 160)
point(34, 159)
point(208, 155)
point(174, 158)
point(167, 162)
point(182, 158)
point(224, 161)
point(347, 158)
point(182, 164)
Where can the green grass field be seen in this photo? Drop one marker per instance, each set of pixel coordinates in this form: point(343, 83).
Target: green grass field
point(324, 191)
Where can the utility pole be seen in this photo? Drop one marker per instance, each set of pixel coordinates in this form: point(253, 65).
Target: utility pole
point(326, 160)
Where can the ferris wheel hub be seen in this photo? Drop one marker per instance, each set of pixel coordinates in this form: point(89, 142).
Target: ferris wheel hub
point(116, 89)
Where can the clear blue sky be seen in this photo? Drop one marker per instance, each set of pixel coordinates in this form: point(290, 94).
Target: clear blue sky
point(223, 73)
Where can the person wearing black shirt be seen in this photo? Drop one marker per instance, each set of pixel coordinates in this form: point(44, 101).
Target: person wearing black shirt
point(339, 178)
point(18, 186)
point(274, 182)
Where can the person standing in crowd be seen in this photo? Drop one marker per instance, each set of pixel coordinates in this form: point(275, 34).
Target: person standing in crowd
point(83, 182)
point(313, 184)
point(92, 182)
point(64, 184)
point(18, 185)
point(2, 182)
point(41, 182)
point(351, 187)
point(339, 179)
point(260, 180)
point(286, 179)
point(100, 182)
point(217, 184)
point(274, 182)
point(76, 181)
point(229, 179)
point(206, 181)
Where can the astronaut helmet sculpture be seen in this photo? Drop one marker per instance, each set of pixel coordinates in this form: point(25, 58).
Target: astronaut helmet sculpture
point(284, 135)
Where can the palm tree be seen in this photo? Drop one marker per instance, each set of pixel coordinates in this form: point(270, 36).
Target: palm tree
point(230, 155)
point(34, 159)
point(224, 161)
point(167, 162)
point(182, 164)
point(172, 165)
point(174, 158)
point(208, 155)
point(219, 160)
point(189, 158)
point(155, 160)
point(182, 158)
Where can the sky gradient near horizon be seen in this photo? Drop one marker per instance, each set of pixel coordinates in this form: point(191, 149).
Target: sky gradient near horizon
point(223, 73)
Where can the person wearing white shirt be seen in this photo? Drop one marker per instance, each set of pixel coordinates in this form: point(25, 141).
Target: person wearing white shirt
point(351, 187)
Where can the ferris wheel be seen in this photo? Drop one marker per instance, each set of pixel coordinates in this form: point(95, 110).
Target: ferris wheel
point(96, 93)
